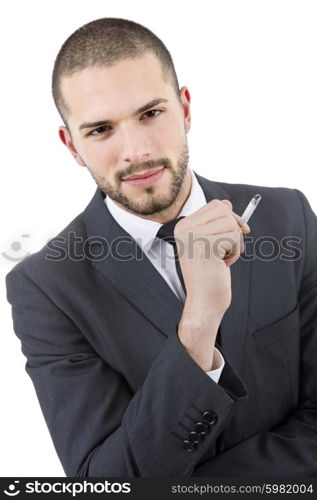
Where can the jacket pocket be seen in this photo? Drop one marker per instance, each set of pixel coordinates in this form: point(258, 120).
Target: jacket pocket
point(274, 367)
point(278, 330)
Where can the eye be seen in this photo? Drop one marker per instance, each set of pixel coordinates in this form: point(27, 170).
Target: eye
point(152, 113)
point(100, 130)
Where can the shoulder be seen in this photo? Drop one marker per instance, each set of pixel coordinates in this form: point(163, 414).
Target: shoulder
point(53, 258)
point(282, 202)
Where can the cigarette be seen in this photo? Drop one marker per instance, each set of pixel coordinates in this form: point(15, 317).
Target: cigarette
point(249, 210)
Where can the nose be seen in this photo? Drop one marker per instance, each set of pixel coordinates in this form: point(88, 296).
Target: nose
point(134, 147)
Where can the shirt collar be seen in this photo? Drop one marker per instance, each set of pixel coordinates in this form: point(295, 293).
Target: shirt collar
point(145, 230)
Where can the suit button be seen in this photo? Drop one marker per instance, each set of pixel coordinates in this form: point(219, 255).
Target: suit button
point(209, 417)
point(195, 437)
point(189, 446)
point(202, 428)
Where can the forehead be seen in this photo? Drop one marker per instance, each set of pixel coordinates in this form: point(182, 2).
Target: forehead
point(117, 89)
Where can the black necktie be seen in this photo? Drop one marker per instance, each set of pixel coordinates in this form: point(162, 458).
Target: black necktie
point(166, 233)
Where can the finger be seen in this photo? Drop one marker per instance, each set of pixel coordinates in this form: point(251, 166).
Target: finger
point(240, 246)
point(245, 228)
point(213, 209)
point(231, 260)
point(226, 245)
point(228, 203)
point(209, 212)
point(221, 225)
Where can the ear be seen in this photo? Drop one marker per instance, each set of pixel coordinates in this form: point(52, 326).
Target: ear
point(66, 139)
point(185, 98)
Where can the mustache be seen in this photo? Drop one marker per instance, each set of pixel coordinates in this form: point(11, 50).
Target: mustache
point(135, 168)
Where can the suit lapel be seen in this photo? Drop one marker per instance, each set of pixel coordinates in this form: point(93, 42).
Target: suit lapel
point(132, 273)
point(128, 268)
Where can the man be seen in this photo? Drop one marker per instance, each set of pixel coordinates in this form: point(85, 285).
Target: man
point(145, 366)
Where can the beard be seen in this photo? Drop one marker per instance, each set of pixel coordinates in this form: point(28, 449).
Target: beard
point(154, 202)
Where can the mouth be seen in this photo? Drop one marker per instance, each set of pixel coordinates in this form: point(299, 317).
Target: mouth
point(144, 178)
point(142, 175)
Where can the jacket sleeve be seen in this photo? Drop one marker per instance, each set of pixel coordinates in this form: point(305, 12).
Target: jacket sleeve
point(289, 449)
point(98, 426)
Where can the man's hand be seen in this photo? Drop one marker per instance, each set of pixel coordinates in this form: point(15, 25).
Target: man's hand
point(209, 241)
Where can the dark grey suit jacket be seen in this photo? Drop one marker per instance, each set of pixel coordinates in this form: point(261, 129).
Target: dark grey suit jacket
point(119, 393)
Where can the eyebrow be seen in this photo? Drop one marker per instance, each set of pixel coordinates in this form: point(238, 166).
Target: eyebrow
point(146, 107)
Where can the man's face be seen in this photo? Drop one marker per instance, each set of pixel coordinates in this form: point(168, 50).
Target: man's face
point(126, 120)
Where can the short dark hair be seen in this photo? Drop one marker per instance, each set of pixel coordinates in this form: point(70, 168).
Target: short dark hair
point(104, 42)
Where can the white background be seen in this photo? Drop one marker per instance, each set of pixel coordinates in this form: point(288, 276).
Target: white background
point(251, 68)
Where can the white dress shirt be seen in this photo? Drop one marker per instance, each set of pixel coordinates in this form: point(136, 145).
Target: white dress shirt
point(161, 253)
